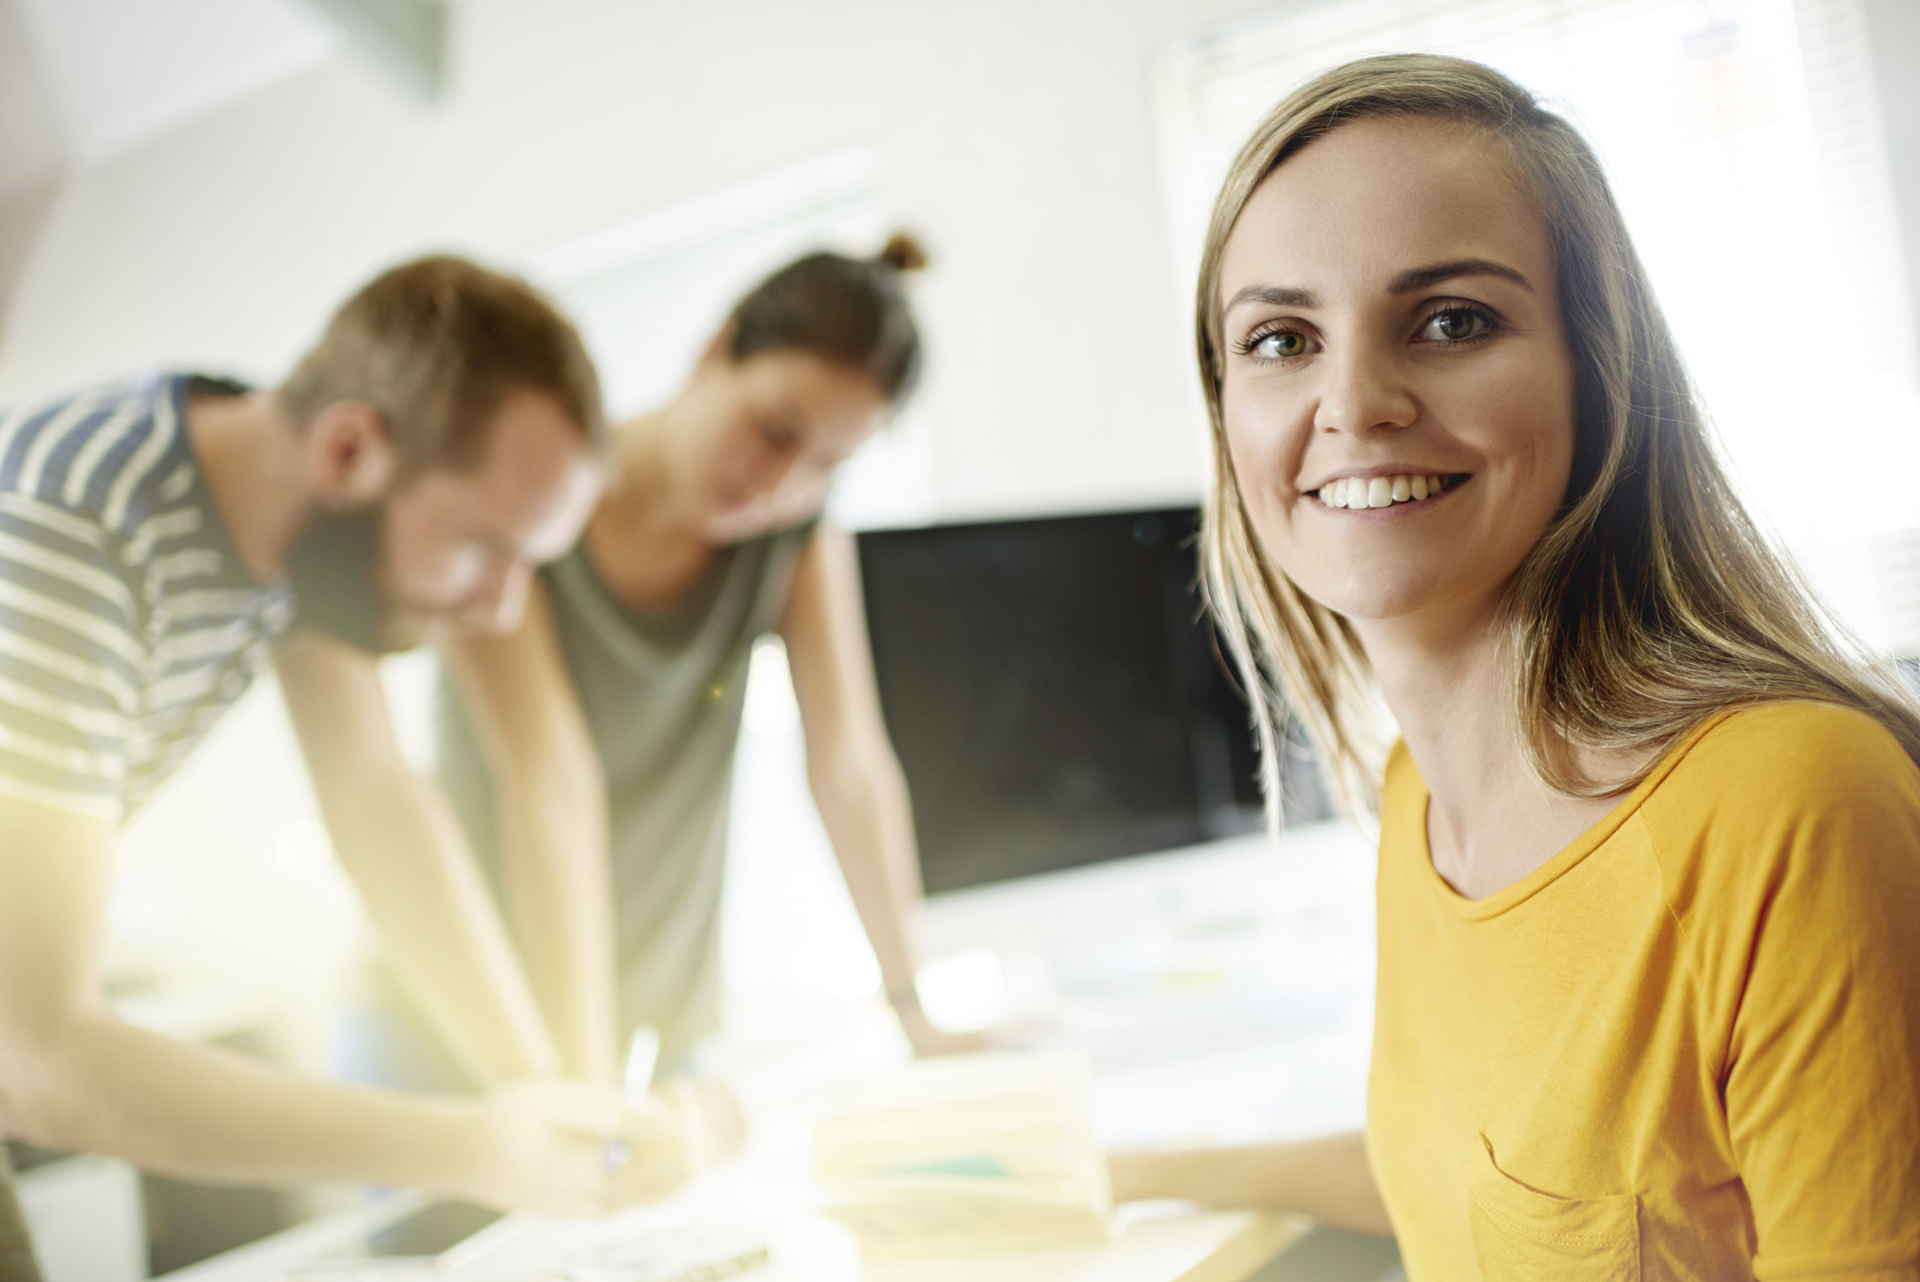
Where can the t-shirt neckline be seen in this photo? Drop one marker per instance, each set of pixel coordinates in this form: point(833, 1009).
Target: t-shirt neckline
point(1508, 898)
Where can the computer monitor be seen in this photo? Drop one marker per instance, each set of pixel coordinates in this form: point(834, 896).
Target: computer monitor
point(1056, 695)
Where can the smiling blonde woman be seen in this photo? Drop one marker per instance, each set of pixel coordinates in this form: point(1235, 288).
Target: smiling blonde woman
point(1649, 983)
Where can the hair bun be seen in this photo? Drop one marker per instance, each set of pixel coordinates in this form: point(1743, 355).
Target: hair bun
point(903, 253)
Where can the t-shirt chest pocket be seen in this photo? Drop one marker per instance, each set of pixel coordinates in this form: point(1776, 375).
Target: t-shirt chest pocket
point(1520, 1232)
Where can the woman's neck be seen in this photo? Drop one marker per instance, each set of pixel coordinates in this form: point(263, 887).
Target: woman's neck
point(1444, 686)
point(644, 539)
point(1490, 819)
point(643, 491)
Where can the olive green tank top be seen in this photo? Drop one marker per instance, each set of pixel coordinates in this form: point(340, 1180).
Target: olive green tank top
point(663, 695)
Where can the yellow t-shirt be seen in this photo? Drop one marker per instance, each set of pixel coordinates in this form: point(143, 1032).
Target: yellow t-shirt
point(1688, 1046)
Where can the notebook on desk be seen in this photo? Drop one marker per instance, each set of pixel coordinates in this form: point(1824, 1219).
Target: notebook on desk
point(981, 1154)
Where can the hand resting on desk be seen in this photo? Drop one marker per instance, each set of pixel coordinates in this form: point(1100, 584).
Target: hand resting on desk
point(928, 1038)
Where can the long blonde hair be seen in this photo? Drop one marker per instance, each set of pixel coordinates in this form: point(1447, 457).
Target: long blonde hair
point(1651, 603)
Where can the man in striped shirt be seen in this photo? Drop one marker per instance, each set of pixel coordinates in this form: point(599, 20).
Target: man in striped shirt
point(160, 540)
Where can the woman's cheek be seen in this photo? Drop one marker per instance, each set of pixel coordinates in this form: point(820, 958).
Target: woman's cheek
point(1258, 468)
point(802, 499)
point(732, 467)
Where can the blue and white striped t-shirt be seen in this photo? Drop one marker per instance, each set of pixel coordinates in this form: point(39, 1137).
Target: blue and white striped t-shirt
point(127, 622)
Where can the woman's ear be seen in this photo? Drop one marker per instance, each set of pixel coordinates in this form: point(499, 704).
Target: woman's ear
point(349, 457)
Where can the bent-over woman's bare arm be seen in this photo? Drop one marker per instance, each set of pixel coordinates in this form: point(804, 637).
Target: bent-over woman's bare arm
point(855, 776)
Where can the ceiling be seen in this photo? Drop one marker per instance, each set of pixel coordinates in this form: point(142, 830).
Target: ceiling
point(122, 72)
point(82, 81)
point(119, 73)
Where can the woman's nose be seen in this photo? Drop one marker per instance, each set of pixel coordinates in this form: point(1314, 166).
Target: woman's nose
point(1364, 389)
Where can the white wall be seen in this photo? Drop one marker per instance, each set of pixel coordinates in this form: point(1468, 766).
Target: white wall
point(1015, 135)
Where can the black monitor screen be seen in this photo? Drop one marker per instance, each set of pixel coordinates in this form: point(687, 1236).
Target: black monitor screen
point(1053, 694)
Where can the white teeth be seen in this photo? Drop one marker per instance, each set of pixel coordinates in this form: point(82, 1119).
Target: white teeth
point(1379, 491)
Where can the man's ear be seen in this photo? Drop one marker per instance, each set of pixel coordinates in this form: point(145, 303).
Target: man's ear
point(348, 455)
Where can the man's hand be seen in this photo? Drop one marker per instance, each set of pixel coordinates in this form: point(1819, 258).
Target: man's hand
point(545, 1145)
point(712, 1125)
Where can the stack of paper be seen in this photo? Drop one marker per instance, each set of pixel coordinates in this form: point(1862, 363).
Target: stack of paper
point(981, 1154)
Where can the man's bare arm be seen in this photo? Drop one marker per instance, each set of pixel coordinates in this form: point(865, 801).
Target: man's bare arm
point(73, 1076)
point(550, 804)
point(399, 841)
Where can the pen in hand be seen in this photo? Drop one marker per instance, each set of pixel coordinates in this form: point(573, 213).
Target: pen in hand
point(636, 1077)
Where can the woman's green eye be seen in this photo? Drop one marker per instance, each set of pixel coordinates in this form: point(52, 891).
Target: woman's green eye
point(1281, 345)
point(1454, 327)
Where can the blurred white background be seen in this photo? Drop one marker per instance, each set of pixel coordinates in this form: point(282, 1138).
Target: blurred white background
point(198, 182)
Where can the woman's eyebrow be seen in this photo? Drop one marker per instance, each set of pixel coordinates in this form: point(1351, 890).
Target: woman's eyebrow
point(1406, 282)
point(1273, 296)
point(1422, 277)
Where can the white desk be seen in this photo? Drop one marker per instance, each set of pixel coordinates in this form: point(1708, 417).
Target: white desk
point(1178, 1247)
point(1223, 998)
point(769, 1189)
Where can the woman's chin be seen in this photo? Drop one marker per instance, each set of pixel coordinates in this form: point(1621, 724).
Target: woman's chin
point(737, 526)
point(752, 520)
point(1375, 600)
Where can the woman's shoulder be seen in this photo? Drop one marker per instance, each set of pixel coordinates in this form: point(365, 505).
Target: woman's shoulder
point(1788, 845)
point(1798, 750)
point(1788, 778)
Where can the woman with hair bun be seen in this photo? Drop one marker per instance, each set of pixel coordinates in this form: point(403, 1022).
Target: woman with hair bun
point(1648, 997)
point(590, 754)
